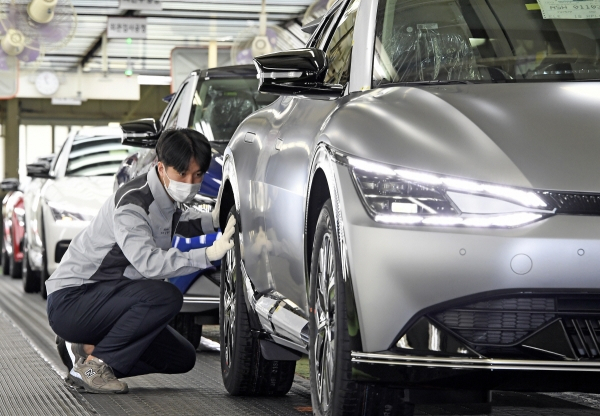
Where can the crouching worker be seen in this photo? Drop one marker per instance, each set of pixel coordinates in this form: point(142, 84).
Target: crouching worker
point(108, 302)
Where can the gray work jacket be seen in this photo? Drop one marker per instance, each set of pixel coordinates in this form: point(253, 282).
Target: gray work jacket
point(131, 238)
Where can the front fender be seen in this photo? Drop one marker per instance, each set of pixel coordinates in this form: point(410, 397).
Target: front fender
point(324, 161)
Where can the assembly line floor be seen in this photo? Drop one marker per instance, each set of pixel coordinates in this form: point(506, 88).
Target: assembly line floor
point(31, 381)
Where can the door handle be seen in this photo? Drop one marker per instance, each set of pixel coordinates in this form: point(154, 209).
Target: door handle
point(278, 143)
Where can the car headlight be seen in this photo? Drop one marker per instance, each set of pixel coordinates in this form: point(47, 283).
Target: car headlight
point(395, 195)
point(66, 213)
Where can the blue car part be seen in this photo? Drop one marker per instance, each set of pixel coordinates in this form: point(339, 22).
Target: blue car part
point(183, 283)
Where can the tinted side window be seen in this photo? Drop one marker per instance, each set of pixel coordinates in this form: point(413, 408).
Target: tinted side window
point(339, 50)
point(60, 161)
point(174, 116)
point(54, 166)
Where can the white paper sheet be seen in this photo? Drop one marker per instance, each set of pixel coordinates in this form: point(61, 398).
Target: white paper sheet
point(570, 9)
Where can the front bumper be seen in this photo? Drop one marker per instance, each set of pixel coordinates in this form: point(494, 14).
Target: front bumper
point(398, 272)
point(409, 371)
point(55, 232)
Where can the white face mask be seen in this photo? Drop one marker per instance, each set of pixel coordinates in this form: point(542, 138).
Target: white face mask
point(180, 191)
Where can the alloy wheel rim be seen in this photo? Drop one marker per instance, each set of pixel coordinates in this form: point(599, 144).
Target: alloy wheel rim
point(229, 302)
point(325, 309)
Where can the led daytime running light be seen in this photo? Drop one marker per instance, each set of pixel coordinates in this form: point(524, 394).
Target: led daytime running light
point(525, 198)
point(503, 221)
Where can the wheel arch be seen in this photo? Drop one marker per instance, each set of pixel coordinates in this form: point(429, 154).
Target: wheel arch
point(318, 195)
point(322, 186)
point(228, 192)
point(227, 201)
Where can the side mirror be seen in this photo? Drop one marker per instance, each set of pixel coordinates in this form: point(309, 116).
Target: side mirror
point(38, 170)
point(9, 185)
point(141, 133)
point(299, 72)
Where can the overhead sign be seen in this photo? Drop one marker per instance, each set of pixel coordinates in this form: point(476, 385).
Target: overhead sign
point(66, 101)
point(126, 27)
point(140, 5)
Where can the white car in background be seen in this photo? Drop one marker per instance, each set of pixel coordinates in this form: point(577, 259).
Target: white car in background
point(76, 185)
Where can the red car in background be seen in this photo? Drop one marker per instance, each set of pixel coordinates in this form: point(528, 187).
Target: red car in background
point(13, 212)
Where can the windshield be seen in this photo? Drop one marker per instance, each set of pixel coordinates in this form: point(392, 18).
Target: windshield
point(486, 41)
point(96, 156)
point(220, 105)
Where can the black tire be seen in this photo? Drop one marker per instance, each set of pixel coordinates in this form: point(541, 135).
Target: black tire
point(185, 325)
point(245, 372)
point(333, 392)
point(31, 279)
point(43, 274)
point(13, 265)
point(5, 258)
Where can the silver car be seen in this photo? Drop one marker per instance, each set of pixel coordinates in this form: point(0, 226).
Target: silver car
point(418, 211)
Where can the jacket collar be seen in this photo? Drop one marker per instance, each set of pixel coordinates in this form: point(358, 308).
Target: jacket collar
point(161, 197)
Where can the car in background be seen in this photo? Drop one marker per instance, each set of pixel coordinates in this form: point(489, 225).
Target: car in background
point(13, 217)
point(12, 206)
point(419, 212)
point(76, 184)
point(213, 102)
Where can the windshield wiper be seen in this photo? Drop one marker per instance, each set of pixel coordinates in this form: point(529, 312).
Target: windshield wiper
point(433, 82)
point(583, 80)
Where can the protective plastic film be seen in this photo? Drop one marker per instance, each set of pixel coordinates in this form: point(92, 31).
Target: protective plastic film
point(484, 41)
point(424, 52)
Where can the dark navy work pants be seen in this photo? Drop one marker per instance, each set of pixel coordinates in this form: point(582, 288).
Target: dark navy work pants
point(127, 321)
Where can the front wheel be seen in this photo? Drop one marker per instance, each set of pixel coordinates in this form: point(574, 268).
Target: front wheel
point(31, 279)
point(14, 266)
point(245, 372)
point(44, 272)
point(333, 392)
point(5, 257)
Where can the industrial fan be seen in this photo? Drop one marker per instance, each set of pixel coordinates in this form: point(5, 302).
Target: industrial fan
point(29, 28)
point(259, 40)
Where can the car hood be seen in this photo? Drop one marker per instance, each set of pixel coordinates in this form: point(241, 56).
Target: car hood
point(79, 193)
point(540, 135)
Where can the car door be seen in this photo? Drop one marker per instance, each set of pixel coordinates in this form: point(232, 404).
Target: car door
point(299, 121)
point(176, 116)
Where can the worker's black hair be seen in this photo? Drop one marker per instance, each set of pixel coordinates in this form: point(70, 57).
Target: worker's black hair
point(175, 147)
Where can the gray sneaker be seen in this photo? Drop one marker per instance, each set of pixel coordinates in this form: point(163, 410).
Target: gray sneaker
point(95, 376)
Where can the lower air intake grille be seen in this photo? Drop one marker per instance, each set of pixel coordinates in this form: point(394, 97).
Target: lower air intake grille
point(499, 322)
point(583, 334)
point(61, 249)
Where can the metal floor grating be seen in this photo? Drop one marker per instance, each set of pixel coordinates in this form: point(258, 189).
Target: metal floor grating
point(28, 384)
point(199, 392)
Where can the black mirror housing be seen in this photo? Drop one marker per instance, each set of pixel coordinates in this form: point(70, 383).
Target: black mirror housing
point(38, 170)
point(9, 185)
point(298, 72)
point(141, 133)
